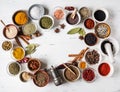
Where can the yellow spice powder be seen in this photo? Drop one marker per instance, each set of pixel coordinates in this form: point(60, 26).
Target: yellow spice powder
point(18, 53)
point(82, 65)
point(21, 18)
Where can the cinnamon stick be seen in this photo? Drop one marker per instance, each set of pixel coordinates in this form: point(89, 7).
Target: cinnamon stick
point(18, 41)
point(24, 40)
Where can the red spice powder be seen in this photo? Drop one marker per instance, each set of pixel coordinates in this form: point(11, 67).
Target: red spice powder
point(58, 14)
point(89, 23)
point(104, 69)
point(88, 74)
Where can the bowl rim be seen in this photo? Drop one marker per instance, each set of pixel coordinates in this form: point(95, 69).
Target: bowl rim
point(106, 25)
point(79, 16)
point(79, 64)
point(13, 16)
point(79, 75)
point(111, 68)
point(30, 23)
point(113, 40)
point(105, 11)
point(10, 43)
point(17, 64)
point(50, 18)
point(94, 74)
point(15, 48)
point(38, 5)
point(36, 59)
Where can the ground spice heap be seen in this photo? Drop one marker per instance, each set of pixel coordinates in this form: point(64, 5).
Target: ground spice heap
point(89, 23)
point(104, 69)
point(21, 18)
point(14, 68)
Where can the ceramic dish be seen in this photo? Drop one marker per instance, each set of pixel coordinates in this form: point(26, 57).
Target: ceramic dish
point(36, 11)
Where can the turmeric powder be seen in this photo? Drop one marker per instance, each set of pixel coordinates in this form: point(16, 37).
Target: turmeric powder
point(18, 53)
point(21, 18)
point(82, 65)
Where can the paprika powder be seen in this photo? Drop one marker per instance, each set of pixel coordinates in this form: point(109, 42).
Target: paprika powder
point(89, 23)
point(104, 69)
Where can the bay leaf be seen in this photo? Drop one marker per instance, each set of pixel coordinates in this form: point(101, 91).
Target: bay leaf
point(82, 32)
point(74, 30)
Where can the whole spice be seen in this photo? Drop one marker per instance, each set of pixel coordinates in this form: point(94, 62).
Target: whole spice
point(46, 22)
point(6, 45)
point(92, 57)
point(58, 14)
point(57, 30)
point(14, 68)
point(29, 29)
point(20, 18)
point(18, 53)
point(89, 23)
point(69, 8)
point(102, 30)
point(90, 39)
point(104, 69)
point(34, 64)
point(88, 75)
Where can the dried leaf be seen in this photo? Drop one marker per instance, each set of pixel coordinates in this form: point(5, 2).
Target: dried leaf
point(74, 31)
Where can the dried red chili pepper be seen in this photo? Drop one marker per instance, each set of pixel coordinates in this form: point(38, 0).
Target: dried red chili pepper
point(69, 8)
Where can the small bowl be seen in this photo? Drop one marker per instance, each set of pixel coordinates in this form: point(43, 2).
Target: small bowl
point(91, 39)
point(102, 30)
point(19, 50)
point(108, 72)
point(59, 13)
point(34, 64)
point(76, 71)
point(29, 28)
point(85, 12)
point(49, 23)
point(74, 21)
point(36, 11)
point(86, 76)
point(7, 45)
point(10, 31)
point(18, 15)
point(13, 68)
point(113, 41)
point(89, 23)
point(24, 76)
point(41, 78)
point(94, 61)
point(100, 12)
point(81, 66)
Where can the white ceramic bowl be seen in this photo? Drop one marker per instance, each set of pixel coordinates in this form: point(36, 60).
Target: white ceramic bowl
point(79, 18)
point(105, 11)
point(50, 26)
point(115, 44)
point(111, 69)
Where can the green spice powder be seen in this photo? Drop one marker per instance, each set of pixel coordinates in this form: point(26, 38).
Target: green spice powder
point(46, 22)
point(14, 68)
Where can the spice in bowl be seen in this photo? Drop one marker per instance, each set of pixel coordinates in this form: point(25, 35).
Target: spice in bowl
point(10, 31)
point(73, 21)
point(34, 64)
point(88, 74)
point(90, 39)
point(59, 13)
point(14, 68)
point(18, 53)
point(102, 30)
point(84, 12)
point(7, 45)
point(41, 78)
point(92, 57)
point(24, 76)
point(89, 23)
point(46, 22)
point(82, 65)
point(105, 69)
point(20, 18)
point(70, 76)
point(36, 11)
point(29, 29)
